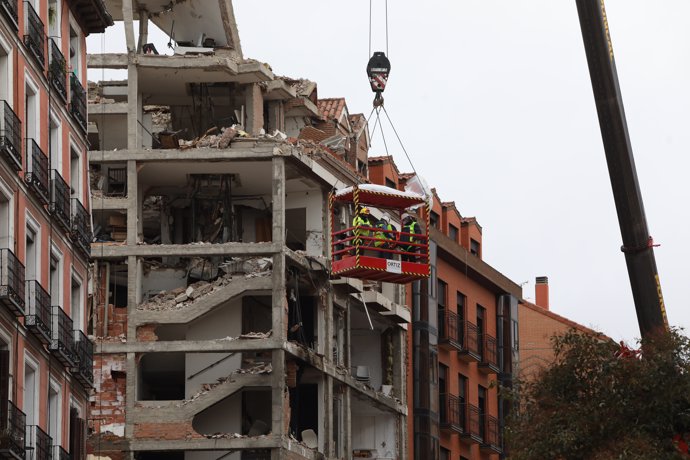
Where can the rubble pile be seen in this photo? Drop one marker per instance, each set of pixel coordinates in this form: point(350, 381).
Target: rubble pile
point(182, 297)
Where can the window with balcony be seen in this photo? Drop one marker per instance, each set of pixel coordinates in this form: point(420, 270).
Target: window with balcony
point(34, 32)
point(55, 147)
point(31, 258)
point(74, 51)
point(482, 406)
point(55, 412)
point(75, 177)
point(5, 80)
point(6, 235)
point(54, 18)
point(56, 268)
point(481, 328)
point(31, 111)
point(77, 434)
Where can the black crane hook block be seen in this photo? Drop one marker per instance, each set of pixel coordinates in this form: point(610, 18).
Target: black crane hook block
point(378, 69)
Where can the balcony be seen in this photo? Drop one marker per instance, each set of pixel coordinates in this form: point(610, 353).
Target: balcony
point(11, 282)
point(9, 9)
point(449, 336)
point(472, 432)
point(489, 355)
point(40, 443)
point(450, 413)
point(77, 101)
point(36, 176)
point(81, 227)
point(470, 350)
point(60, 454)
point(59, 200)
point(13, 430)
point(37, 318)
point(62, 344)
point(11, 137)
point(491, 436)
point(57, 70)
point(35, 37)
point(83, 370)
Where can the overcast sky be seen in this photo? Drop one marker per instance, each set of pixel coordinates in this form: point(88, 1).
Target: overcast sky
point(493, 102)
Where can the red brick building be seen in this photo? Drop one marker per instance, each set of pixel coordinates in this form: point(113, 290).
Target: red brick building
point(45, 356)
point(464, 332)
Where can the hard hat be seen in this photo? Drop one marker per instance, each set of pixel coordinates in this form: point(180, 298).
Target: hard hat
point(364, 210)
point(406, 216)
point(386, 217)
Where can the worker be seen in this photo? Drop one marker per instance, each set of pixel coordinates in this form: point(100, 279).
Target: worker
point(411, 227)
point(362, 219)
point(385, 236)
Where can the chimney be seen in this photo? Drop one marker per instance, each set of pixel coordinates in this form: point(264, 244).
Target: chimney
point(541, 292)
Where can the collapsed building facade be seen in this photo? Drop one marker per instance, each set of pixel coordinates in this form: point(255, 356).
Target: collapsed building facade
point(219, 333)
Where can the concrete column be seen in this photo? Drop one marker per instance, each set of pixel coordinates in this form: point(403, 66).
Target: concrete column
point(276, 115)
point(128, 18)
point(279, 301)
point(328, 444)
point(143, 30)
point(347, 421)
point(254, 103)
point(133, 127)
point(132, 203)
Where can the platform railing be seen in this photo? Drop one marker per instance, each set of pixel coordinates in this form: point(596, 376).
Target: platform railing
point(387, 243)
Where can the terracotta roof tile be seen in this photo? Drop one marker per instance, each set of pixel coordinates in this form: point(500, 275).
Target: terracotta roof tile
point(331, 108)
point(380, 158)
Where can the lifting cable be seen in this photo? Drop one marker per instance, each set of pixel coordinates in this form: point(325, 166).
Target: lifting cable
point(378, 70)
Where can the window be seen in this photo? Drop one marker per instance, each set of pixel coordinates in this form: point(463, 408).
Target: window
point(56, 267)
point(481, 325)
point(5, 72)
point(453, 232)
point(77, 434)
point(55, 151)
point(5, 378)
point(75, 173)
point(390, 183)
point(442, 392)
point(445, 454)
point(462, 388)
point(482, 410)
point(475, 248)
point(460, 308)
point(77, 310)
point(54, 22)
point(434, 219)
point(75, 52)
point(54, 412)
point(31, 125)
point(32, 255)
point(31, 380)
point(442, 294)
point(6, 215)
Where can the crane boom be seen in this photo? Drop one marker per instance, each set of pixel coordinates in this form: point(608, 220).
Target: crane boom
point(637, 244)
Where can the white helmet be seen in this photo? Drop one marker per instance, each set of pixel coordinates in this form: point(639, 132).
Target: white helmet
point(386, 217)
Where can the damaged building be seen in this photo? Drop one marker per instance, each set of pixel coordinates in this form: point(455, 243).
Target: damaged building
point(219, 332)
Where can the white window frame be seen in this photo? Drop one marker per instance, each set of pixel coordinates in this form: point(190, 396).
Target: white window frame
point(30, 82)
point(74, 25)
point(6, 192)
point(58, 20)
point(74, 146)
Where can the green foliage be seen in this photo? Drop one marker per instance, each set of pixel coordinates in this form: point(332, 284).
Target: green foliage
point(592, 405)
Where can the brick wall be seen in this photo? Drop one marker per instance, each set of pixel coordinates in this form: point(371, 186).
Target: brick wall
point(108, 401)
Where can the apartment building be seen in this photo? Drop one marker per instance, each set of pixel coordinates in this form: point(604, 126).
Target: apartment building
point(463, 342)
point(46, 370)
point(219, 332)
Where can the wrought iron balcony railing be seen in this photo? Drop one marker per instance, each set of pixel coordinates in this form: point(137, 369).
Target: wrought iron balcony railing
point(469, 340)
point(38, 315)
point(83, 371)
point(491, 435)
point(62, 345)
point(81, 227)
point(34, 35)
point(11, 137)
point(40, 442)
point(36, 176)
point(57, 72)
point(59, 200)
point(449, 334)
point(60, 454)
point(77, 101)
point(13, 429)
point(12, 282)
point(451, 413)
point(489, 354)
point(9, 9)
point(472, 430)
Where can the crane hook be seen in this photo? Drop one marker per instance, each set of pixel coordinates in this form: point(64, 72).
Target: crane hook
point(378, 69)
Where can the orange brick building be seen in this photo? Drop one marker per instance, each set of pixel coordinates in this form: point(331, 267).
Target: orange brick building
point(463, 333)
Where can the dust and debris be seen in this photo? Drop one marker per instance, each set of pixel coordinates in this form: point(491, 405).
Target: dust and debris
point(264, 368)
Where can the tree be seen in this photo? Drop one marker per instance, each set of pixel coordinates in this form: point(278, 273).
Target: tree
point(593, 404)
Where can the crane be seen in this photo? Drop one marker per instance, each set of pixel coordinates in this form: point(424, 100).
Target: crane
point(638, 246)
